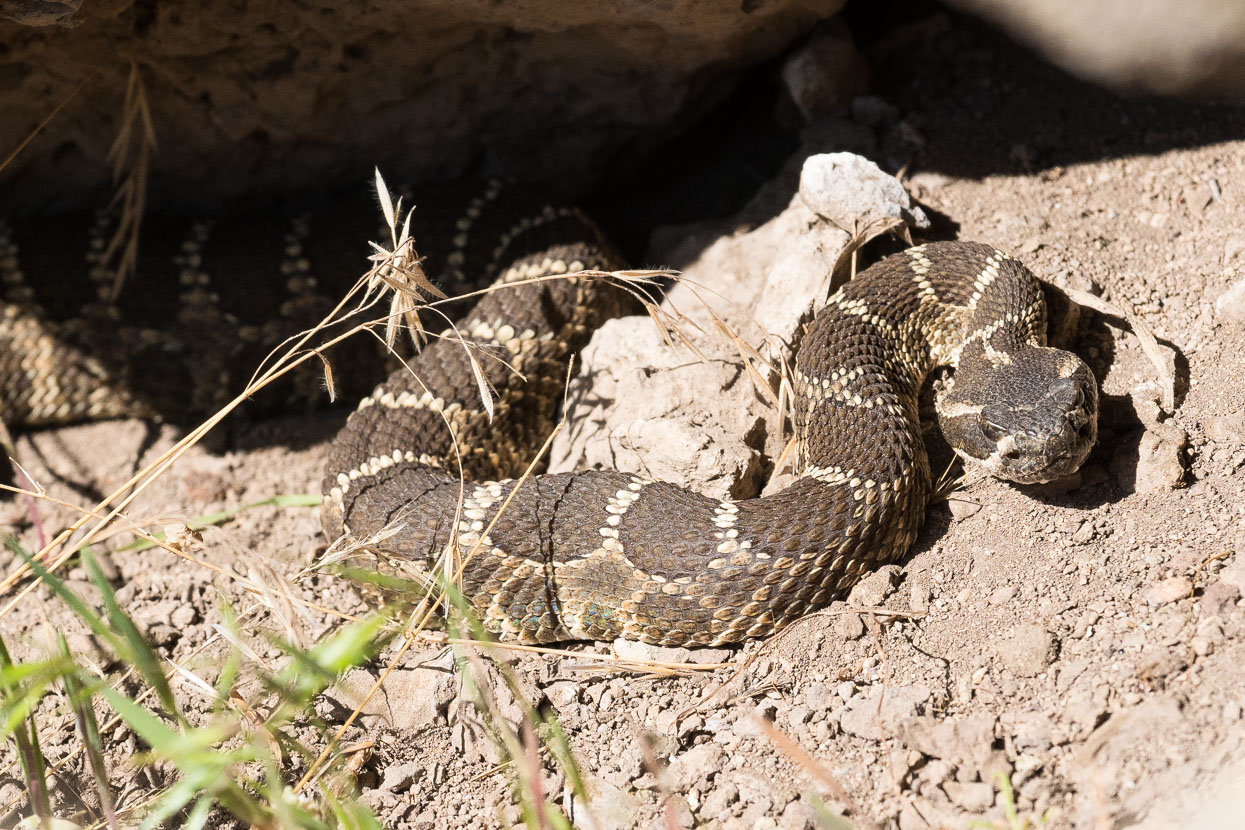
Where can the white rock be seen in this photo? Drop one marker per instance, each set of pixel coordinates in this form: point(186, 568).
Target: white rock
point(852, 191)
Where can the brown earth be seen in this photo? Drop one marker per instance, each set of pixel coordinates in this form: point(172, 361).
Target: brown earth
point(1084, 638)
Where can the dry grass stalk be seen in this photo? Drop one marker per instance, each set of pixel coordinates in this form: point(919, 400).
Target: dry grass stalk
point(130, 155)
point(44, 123)
point(845, 265)
point(810, 765)
point(1145, 336)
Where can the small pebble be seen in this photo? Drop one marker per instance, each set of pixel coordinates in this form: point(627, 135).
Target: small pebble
point(1004, 595)
point(976, 797)
point(1028, 650)
point(1168, 590)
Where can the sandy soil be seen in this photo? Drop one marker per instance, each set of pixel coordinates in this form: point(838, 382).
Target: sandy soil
point(1084, 638)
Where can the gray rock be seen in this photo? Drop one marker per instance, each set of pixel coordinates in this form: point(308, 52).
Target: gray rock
point(873, 590)
point(826, 72)
point(1231, 304)
point(409, 698)
point(1028, 650)
point(699, 434)
point(1159, 464)
point(798, 815)
point(1220, 598)
point(849, 626)
point(1226, 429)
point(398, 777)
point(634, 650)
point(1156, 45)
point(627, 73)
point(1234, 572)
point(818, 697)
point(563, 694)
point(699, 763)
point(608, 808)
point(852, 191)
point(976, 797)
point(862, 718)
point(964, 741)
point(1168, 590)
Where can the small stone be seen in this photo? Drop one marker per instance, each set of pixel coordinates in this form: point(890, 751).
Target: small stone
point(936, 772)
point(1084, 533)
point(798, 715)
point(818, 697)
point(719, 800)
point(1028, 650)
point(1225, 429)
point(678, 812)
point(1084, 624)
point(849, 626)
point(183, 616)
point(862, 718)
point(873, 590)
point(1232, 711)
point(612, 808)
point(563, 694)
point(976, 797)
point(1220, 597)
point(901, 762)
point(798, 815)
point(1231, 304)
point(1168, 590)
point(846, 689)
point(823, 74)
point(1234, 573)
point(398, 778)
point(852, 191)
point(1026, 766)
point(1004, 595)
point(1158, 465)
point(963, 508)
point(634, 650)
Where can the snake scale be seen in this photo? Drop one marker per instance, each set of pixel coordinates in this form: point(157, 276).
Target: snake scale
point(420, 474)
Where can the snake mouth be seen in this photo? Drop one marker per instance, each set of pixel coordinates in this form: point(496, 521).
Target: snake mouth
point(1042, 461)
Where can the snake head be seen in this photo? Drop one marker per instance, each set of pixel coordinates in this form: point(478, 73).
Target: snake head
point(1032, 420)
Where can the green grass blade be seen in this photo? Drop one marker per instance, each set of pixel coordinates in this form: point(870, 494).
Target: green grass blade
point(138, 651)
point(30, 755)
point(88, 731)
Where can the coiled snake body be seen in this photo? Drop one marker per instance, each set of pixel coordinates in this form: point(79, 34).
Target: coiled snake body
point(595, 554)
point(602, 554)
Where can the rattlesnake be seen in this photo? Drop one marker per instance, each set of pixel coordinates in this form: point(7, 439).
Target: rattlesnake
point(596, 554)
point(602, 554)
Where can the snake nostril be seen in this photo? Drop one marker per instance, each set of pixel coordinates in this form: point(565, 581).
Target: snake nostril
point(1012, 454)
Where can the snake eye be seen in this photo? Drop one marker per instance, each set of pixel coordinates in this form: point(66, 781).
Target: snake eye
point(992, 431)
point(1067, 392)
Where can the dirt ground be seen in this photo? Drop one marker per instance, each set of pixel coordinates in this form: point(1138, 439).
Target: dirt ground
point(1084, 638)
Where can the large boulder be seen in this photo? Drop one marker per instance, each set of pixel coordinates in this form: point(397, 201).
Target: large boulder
point(245, 95)
point(1166, 46)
